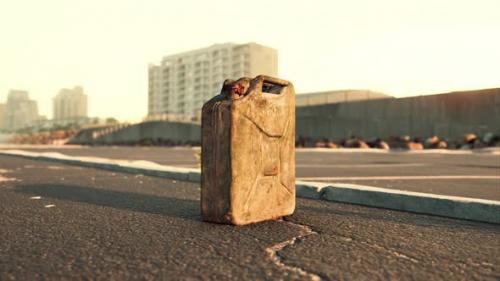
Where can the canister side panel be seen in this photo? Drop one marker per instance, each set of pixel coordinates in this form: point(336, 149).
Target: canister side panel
point(216, 161)
point(262, 158)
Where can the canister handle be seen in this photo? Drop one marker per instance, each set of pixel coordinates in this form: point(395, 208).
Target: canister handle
point(261, 79)
point(273, 80)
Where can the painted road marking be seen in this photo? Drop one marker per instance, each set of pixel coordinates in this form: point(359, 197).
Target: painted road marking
point(361, 165)
point(6, 179)
point(55, 168)
point(451, 177)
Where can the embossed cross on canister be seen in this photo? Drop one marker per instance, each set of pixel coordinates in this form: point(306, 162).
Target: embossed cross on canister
point(248, 152)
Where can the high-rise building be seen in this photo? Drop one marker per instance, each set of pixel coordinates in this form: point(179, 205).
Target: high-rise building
point(70, 105)
point(183, 82)
point(20, 110)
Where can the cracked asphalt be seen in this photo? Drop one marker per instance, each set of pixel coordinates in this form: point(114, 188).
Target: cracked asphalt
point(115, 226)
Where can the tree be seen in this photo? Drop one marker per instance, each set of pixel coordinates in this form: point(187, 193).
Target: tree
point(111, 120)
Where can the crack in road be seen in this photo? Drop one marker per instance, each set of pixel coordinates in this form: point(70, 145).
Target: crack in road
point(378, 247)
point(273, 252)
point(390, 251)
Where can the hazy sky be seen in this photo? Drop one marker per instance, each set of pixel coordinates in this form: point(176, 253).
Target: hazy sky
point(399, 47)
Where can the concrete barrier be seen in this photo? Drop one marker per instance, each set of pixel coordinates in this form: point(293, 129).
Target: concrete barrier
point(446, 115)
point(159, 131)
point(424, 203)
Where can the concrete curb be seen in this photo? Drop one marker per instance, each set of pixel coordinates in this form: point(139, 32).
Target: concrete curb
point(416, 202)
point(424, 203)
point(135, 167)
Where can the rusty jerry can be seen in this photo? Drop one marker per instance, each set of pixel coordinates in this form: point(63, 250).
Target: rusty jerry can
point(248, 152)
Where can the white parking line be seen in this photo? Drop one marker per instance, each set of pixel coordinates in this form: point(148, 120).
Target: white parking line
point(481, 151)
point(361, 165)
point(451, 177)
point(6, 179)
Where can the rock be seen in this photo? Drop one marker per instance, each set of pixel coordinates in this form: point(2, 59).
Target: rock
point(432, 142)
point(470, 138)
point(383, 145)
point(331, 145)
point(356, 143)
point(378, 143)
point(319, 144)
point(442, 145)
point(415, 146)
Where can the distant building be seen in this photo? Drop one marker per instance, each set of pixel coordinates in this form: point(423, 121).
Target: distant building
point(183, 82)
point(70, 106)
point(2, 116)
point(20, 111)
point(337, 96)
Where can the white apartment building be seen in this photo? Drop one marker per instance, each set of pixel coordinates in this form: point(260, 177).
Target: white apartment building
point(183, 82)
point(70, 105)
point(20, 111)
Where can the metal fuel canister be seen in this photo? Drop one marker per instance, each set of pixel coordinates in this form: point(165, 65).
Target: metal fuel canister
point(248, 152)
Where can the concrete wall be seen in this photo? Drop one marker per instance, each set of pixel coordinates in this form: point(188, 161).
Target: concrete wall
point(153, 130)
point(446, 115)
point(337, 96)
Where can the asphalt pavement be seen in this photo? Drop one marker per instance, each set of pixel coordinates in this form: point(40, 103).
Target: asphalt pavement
point(474, 175)
point(68, 222)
